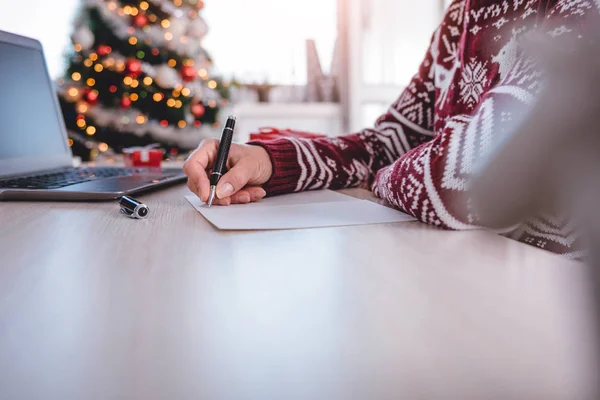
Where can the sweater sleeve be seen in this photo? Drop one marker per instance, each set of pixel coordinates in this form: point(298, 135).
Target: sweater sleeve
point(431, 181)
point(353, 160)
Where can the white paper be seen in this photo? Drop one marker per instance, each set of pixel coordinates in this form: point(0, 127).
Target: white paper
point(309, 197)
point(315, 209)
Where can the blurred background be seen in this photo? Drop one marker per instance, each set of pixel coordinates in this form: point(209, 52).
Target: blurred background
point(133, 73)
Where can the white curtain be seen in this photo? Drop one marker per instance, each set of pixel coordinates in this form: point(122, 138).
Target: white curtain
point(386, 41)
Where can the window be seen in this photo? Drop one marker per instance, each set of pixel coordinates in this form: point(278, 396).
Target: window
point(385, 42)
point(265, 40)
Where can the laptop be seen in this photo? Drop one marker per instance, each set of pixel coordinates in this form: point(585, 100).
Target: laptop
point(35, 158)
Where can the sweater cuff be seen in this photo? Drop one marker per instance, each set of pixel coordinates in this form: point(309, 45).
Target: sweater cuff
point(286, 168)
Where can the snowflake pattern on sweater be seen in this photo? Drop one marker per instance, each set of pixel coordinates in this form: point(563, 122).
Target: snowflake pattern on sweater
point(472, 88)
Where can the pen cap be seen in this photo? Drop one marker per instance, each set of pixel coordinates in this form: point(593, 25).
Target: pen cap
point(133, 208)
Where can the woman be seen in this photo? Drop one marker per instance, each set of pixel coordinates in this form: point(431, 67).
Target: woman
point(472, 87)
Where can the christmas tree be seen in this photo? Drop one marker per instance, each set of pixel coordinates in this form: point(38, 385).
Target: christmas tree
point(138, 75)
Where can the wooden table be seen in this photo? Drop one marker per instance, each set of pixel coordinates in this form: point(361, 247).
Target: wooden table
point(94, 305)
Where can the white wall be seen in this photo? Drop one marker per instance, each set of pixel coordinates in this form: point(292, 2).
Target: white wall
point(47, 20)
point(266, 38)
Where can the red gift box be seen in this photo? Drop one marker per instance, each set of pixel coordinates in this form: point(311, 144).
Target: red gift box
point(146, 157)
point(274, 133)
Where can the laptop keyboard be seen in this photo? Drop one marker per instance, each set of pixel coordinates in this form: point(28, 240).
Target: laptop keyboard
point(69, 177)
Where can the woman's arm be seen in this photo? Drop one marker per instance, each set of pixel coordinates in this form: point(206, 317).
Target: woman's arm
point(431, 182)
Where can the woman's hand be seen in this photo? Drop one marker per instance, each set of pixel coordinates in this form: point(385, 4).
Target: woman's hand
point(249, 167)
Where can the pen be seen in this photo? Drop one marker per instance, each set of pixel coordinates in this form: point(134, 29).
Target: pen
point(220, 166)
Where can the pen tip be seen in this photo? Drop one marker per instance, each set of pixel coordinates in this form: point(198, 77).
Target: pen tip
point(211, 199)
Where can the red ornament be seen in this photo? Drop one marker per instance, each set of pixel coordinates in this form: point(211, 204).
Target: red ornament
point(164, 123)
point(125, 102)
point(155, 52)
point(103, 50)
point(140, 20)
point(188, 73)
point(174, 152)
point(112, 89)
point(198, 110)
point(91, 97)
point(197, 124)
point(134, 67)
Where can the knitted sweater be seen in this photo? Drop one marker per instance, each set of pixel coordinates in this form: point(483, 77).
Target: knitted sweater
point(471, 88)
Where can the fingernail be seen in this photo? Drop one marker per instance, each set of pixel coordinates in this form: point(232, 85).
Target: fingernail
point(224, 190)
point(244, 199)
point(259, 194)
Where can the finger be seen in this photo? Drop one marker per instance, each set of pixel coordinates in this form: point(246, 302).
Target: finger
point(241, 197)
point(196, 165)
point(192, 186)
point(200, 185)
point(224, 202)
point(256, 192)
point(202, 157)
point(203, 184)
point(236, 179)
point(247, 195)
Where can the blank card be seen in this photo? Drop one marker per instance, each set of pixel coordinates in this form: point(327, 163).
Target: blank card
point(315, 209)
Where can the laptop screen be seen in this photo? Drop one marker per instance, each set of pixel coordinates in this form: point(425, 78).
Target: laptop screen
point(30, 128)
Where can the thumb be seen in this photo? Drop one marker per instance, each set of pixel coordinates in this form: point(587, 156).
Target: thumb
point(234, 180)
